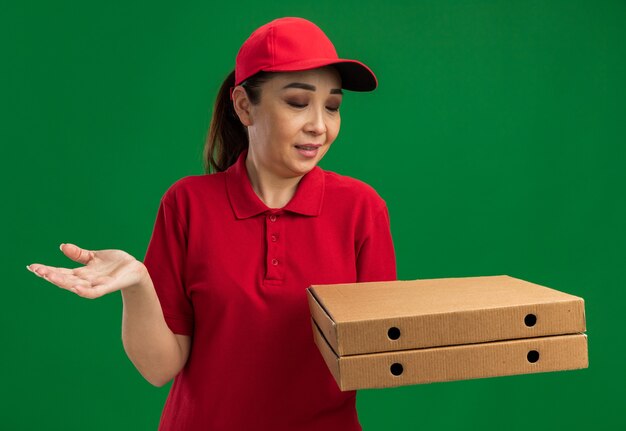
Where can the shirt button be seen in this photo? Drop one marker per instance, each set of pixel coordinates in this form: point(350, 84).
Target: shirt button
point(273, 218)
point(274, 262)
point(274, 238)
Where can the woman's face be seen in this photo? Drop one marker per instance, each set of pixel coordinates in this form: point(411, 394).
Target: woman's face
point(296, 121)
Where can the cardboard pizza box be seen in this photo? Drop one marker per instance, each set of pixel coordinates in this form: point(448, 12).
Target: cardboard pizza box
point(373, 317)
point(460, 362)
point(383, 334)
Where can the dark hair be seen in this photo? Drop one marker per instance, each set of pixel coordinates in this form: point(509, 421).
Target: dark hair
point(227, 137)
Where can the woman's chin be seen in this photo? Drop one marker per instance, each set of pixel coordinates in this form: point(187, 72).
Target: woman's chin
point(302, 167)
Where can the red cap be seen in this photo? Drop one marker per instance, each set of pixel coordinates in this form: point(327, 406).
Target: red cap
point(289, 44)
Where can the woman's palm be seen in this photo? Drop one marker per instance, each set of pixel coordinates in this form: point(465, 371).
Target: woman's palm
point(105, 271)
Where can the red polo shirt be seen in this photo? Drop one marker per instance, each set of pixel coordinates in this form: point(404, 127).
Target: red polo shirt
point(232, 273)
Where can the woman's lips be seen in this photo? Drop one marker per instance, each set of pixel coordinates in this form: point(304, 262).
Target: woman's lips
point(308, 150)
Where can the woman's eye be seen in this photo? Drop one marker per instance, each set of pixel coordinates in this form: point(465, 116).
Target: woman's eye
point(296, 105)
point(304, 105)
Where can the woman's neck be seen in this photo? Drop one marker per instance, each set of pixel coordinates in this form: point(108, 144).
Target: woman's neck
point(274, 191)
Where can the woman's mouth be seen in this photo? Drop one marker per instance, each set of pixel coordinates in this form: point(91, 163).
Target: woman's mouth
point(308, 150)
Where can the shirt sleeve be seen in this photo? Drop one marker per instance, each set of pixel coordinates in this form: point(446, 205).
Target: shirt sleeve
point(376, 259)
point(165, 260)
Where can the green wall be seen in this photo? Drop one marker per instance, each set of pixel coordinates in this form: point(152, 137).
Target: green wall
point(496, 136)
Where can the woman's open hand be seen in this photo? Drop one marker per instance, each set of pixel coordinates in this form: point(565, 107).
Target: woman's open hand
point(105, 271)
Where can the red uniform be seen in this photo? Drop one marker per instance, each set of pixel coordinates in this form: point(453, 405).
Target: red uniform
point(232, 273)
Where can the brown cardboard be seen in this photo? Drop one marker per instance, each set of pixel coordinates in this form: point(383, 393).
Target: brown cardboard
point(383, 334)
point(363, 318)
point(469, 361)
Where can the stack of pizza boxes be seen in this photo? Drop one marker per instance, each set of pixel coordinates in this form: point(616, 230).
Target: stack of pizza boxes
point(384, 334)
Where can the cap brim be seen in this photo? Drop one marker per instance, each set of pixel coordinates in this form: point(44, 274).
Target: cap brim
point(355, 76)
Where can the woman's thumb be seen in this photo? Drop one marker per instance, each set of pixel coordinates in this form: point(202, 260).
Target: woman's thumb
point(76, 253)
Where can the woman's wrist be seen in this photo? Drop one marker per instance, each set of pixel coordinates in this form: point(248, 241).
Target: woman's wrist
point(142, 276)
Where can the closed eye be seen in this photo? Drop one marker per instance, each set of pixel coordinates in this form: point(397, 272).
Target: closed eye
point(296, 105)
point(300, 106)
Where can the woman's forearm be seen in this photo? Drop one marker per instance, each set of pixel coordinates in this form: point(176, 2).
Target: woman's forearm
point(149, 343)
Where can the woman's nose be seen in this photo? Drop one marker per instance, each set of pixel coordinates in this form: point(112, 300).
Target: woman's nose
point(316, 123)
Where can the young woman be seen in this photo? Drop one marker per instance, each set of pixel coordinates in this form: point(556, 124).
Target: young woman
point(219, 302)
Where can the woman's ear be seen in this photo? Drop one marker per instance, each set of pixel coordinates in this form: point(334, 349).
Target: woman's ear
point(242, 105)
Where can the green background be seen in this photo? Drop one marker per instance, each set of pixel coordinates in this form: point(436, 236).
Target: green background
point(496, 136)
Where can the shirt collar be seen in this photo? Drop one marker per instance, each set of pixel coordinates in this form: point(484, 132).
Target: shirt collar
point(245, 203)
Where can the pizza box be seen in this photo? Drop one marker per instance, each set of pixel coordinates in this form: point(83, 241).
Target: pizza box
point(381, 334)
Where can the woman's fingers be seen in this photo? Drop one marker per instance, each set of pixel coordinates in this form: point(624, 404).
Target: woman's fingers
point(87, 287)
point(63, 281)
point(76, 253)
point(105, 271)
point(61, 277)
point(53, 273)
point(40, 269)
